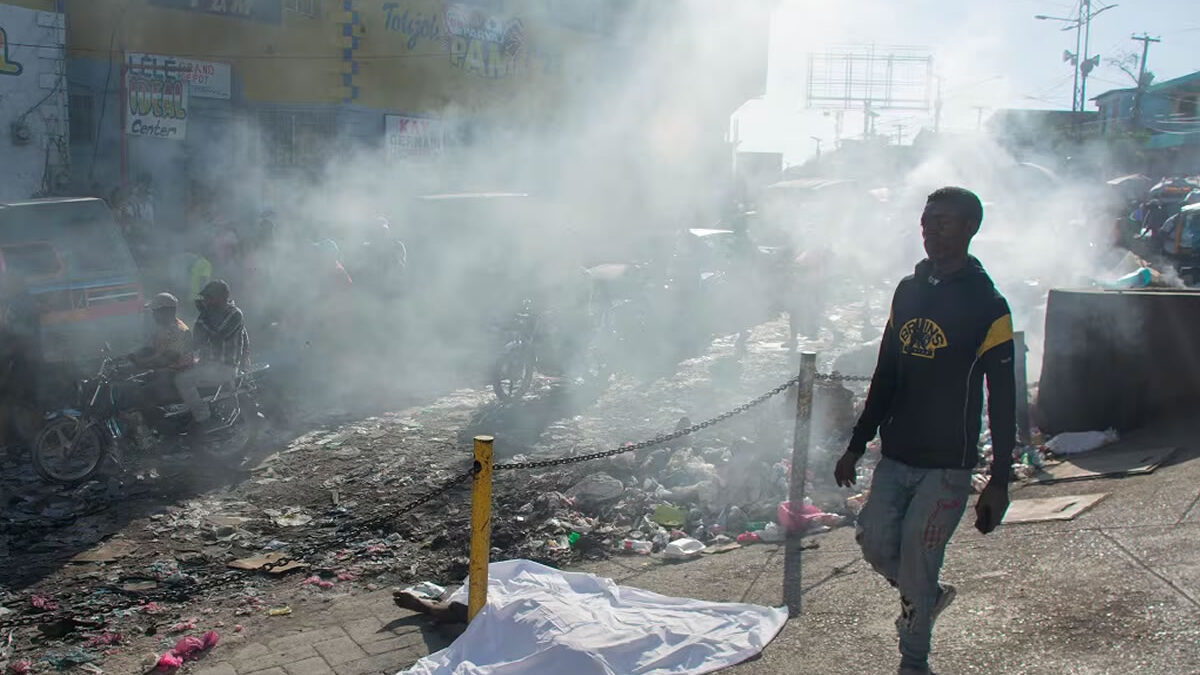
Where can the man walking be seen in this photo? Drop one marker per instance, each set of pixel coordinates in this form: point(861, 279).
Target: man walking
point(222, 346)
point(949, 327)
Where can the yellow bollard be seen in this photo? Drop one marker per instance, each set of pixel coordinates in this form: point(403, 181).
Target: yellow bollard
point(481, 526)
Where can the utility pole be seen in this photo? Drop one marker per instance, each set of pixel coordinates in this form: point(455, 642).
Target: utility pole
point(1076, 104)
point(818, 142)
point(979, 117)
point(937, 107)
point(1082, 62)
point(1145, 39)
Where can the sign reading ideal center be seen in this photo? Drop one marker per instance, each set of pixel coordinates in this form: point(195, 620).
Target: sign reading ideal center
point(159, 88)
point(156, 102)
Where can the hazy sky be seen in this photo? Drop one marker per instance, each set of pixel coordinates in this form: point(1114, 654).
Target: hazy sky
point(990, 54)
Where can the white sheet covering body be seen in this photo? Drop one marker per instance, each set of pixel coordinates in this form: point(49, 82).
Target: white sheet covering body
point(543, 621)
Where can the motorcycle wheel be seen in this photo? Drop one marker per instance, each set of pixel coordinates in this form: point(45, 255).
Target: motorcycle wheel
point(59, 458)
point(234, 443)
point(513, 375)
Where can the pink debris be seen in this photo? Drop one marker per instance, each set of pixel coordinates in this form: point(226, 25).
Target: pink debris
point(237, 628)
point(169, 661)
point(43, 603)
point(151, 608)
point(182, 626)
point(187, 649)
point(106, 639)
point(317, 581)
point(21, 667)
point(375, 549)
point(346, 576)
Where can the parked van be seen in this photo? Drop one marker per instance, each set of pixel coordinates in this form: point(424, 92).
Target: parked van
point(71, 258)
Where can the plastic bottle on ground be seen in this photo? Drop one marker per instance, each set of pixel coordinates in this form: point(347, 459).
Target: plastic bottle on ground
point(638, 546)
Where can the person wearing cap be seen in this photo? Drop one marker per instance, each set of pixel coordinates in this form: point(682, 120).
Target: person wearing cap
point(168, 351)
point(170, 345)
point(222, 346)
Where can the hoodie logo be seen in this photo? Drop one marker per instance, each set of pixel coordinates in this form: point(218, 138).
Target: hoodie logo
point(921, 337)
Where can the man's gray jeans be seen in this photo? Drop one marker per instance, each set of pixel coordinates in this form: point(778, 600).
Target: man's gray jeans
point(188, 383)
point(903, 530)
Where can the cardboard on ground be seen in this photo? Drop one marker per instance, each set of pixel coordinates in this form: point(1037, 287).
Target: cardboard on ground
point(257, 562)
point(1102, 463)
point(107, 552)
point(1050, 508)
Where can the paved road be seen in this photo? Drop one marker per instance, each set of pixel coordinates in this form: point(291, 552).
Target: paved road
point(1115, 591)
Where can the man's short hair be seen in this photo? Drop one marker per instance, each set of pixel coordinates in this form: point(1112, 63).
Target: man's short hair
point(966, 202)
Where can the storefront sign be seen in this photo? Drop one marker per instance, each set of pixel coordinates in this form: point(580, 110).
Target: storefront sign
point(413, 137)
point(156, 104)
point(268, 11)
point(205, 79)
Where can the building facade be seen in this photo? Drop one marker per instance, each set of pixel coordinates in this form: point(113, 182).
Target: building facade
point(1167, 116)
point(175, 94)
point(34, 154)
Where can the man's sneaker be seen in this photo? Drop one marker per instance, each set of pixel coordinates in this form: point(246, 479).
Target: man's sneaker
point(946, 595)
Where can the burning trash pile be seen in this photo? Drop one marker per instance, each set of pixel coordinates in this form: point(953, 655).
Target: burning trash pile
point(706, 493)
point(707, 496)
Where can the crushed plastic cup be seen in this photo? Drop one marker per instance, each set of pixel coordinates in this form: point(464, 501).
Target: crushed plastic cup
point(683, 549)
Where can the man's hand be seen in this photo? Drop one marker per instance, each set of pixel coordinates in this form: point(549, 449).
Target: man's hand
point(991, 506)
point(845, 473)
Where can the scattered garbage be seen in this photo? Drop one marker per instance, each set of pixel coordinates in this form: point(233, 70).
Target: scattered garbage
point(638, 546)
point(596, 489)
point(188, 648)
point(807, 516)
point(43, 603)
point(292, 516)
point(427, 590)
point(669, 516)
point(683, 549)
point(748, 538)
point(279, 611)
point(1075, 442)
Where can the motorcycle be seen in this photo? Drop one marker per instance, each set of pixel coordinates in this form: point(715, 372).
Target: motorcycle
point(535, 345)
point(75, 442)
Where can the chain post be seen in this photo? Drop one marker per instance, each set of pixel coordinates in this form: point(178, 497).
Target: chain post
point(481, 526)
point(1019, 353)
point(792, 578)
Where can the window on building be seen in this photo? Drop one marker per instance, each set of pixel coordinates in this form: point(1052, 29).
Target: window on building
point(79, 116)
point(296, 138)
point(310, 8)
point(1187, 106)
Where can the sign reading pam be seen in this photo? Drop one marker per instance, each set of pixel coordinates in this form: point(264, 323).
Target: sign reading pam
point(268, 11)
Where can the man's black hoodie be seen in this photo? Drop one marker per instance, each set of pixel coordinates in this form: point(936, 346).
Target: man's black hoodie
point(926, 397)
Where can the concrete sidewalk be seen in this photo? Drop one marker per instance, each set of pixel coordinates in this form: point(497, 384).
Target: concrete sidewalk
point(1116, 590)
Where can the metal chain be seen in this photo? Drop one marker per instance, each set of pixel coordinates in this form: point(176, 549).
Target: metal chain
point(657, 440)
point(838, 377)
point(300, 553)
